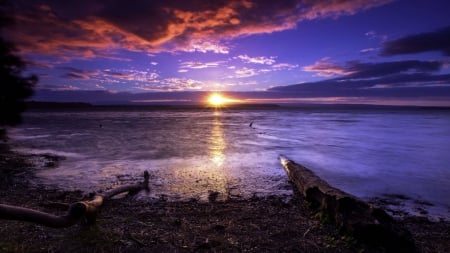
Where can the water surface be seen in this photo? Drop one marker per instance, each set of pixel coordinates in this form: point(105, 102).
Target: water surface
point(190, 152)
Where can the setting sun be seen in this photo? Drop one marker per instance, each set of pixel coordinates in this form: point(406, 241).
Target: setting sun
point(217, 100)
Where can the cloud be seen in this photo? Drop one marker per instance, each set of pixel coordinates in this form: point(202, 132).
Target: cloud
point(368, 50)
point(171, 84)
point(284, 66)
point(105, 97)
point(437, 96)
point(400, 78)
point(199, 65)
point(79, 74)
point(325, 68)
point(374, 35)
point(45, 33)
point(128, 75)
point(50, 87)
point(110, 76)
point(256, 60)
point(40, 64)
point(438, 40)
point(245, 72)
point(371, 34)
point(205, 47)
point(95, 28)
point(359, 70)
point(141, 79)
point(72, 75)
point(392, 86)
point(322, 8)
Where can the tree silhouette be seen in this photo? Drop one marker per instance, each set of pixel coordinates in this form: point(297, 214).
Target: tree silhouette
point(14, 86)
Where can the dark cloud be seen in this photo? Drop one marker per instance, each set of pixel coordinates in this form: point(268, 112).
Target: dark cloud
point(79, 74)
point(73, 75)
point(371, 70)
point(110, 76)
point(398, 86)
point(392, 79)
point(356, 69)
point(88, 28)
point(432, 41)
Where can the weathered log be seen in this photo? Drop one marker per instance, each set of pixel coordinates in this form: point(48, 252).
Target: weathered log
point(365, 222)
point(77, 211)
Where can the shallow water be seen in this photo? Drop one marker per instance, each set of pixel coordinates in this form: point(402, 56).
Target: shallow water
point(190, 152)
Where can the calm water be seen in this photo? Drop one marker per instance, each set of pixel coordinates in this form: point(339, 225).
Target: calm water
point(189, 152)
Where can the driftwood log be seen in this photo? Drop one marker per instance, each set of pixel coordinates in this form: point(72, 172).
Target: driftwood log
point(364, 222)
point(77, 211)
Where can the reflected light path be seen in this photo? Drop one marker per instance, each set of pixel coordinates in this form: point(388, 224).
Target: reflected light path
point(217, 144)
point(207, 174)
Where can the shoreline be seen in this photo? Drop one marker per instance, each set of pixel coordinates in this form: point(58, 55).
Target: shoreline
point(126, 225)
point(397, 205)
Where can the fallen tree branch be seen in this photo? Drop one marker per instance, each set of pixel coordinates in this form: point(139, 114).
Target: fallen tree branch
point(365, 222)
point(87, 209)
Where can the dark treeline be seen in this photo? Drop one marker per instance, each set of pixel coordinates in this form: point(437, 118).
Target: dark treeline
point(15, 86)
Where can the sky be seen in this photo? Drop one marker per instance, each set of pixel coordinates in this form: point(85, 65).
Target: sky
point(260, 51)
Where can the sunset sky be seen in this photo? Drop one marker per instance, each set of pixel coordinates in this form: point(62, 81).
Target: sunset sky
point(355, 51)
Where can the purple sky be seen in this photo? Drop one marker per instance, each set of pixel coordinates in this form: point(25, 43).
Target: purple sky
point(355, 51)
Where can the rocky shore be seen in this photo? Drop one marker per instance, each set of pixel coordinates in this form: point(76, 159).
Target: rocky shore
point(269, 224)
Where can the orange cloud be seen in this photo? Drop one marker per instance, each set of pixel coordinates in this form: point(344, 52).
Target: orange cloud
point(87, 38)
point(97, 27)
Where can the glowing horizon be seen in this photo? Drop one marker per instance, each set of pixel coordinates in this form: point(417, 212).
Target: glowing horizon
point(217, 99)
point(118, 52)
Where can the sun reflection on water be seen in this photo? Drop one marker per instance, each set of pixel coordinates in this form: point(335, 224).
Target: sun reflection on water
point(207, 174)
point(217, 142)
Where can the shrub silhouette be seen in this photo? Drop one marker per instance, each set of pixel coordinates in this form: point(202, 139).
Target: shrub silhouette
point(15, 88)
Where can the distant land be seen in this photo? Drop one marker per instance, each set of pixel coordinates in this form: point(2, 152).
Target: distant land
point(42, 105)
point(37, 105)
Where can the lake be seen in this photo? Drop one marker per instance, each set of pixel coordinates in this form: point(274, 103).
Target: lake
point(189, 152)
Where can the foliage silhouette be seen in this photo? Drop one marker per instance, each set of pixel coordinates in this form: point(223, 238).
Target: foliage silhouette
point(15, 87)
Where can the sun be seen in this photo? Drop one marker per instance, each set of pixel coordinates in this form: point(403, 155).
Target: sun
point(218, 100)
